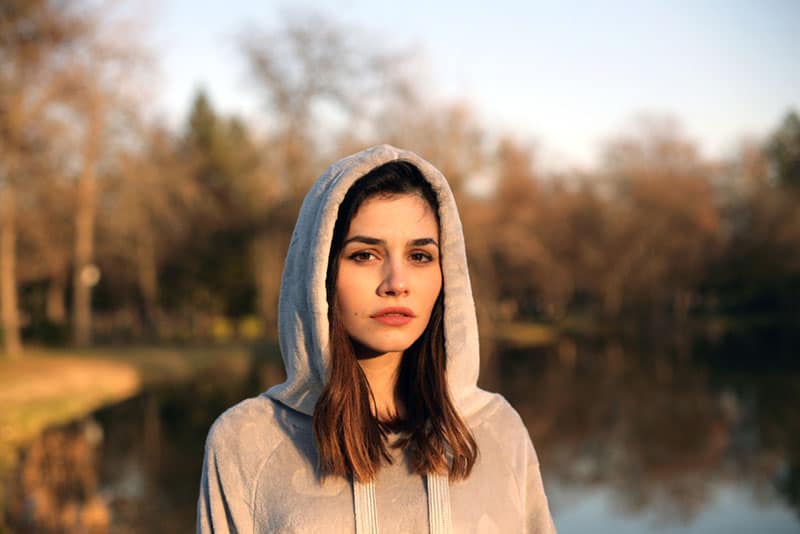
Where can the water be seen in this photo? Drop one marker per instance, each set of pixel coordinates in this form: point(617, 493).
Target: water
point(675, 442)
point(688, 439)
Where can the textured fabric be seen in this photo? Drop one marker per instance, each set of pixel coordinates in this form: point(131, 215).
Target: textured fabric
point(259, 470)
point(365, 508)
point(439, 504)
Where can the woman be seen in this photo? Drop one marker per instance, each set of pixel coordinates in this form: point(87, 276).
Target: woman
point(379, 426)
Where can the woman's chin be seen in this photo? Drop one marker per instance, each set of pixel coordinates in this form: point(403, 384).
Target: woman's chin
point(364, 351)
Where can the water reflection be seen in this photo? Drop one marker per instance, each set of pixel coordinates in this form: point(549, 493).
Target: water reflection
point(657, 435)
point(133, 467)
point(630, 441)
point(56, 486)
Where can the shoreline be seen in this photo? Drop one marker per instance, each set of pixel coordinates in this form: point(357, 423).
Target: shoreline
point(48, 387)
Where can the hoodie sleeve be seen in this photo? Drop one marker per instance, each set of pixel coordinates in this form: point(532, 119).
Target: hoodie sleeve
point(223, 506)
point(506, 431)
point(537, 512)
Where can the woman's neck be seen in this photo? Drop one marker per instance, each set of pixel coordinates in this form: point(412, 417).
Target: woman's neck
point(381, 372)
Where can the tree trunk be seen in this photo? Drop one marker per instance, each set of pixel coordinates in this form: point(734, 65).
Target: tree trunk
point(267, 266)
point(8, 277)
point(84, 250)
point(148, 276)
point(55, 309)
point(612, 299)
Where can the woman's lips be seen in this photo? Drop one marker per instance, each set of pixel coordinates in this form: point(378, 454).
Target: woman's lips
point(394, 316)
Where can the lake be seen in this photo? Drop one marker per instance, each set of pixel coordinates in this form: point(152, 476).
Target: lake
point(691, 436)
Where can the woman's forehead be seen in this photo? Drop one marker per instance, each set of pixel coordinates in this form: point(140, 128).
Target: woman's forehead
point(393, 214)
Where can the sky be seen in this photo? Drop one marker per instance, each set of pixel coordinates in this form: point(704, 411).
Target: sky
point(565, 76)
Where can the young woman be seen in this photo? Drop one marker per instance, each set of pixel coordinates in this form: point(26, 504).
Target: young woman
point(379, 426)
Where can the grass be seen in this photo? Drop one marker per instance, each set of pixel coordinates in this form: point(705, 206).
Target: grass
point(524, 334)
point(46, 387)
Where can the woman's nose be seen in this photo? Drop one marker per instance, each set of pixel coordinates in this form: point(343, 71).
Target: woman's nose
point(395, 281)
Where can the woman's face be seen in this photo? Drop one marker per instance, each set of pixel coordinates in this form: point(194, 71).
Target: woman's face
point(389, 273)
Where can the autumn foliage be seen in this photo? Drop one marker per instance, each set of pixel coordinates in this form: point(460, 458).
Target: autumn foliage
point(117, 228)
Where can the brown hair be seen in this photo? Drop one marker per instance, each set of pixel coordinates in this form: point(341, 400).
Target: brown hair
point(350, 439)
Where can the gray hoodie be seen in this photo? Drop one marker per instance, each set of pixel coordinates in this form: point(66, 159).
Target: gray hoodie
point(259, 470)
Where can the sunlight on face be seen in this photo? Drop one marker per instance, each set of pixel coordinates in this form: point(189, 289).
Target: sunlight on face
point(389, 273)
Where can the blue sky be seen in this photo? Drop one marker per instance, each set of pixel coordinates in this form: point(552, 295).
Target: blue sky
point(565, 75)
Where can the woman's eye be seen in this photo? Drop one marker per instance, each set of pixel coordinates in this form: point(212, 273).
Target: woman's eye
point(362, 256)
point(421, 257)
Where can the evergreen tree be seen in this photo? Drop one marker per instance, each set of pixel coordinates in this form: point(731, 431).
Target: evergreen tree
point(783, 152)
point(213, 269)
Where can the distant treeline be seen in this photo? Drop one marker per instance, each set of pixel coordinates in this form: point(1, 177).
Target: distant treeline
point(115, 227)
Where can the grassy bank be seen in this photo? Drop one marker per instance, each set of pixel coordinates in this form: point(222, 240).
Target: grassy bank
point(526, 334)
point(47, 387)
point(531, 333)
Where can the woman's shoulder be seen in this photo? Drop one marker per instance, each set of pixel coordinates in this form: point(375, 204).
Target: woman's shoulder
point(500, 420)
point(239, 447)
point(252, 424)
point(495, 409)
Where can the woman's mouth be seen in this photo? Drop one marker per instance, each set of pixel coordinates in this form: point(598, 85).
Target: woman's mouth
point(394, 316)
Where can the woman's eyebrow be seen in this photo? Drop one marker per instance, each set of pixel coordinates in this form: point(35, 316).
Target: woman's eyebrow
point(421, 242)
point(366, 240)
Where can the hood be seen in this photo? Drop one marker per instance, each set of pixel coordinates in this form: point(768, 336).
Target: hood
point(303, 309)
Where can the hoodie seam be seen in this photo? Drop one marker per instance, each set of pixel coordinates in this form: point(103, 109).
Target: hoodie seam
point(257, 479)
point(480, 416)
point(508, 464)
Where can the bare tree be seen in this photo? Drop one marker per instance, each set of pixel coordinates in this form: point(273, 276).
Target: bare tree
point(34, 37)
point(148, 212)
point(46, 228)
point(93, 106)
point(537, 276)
point(665, 222)
point(100, 81)
point(315, 75)
point(450, 136)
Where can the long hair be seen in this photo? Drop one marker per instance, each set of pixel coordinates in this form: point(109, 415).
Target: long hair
point(350, 439)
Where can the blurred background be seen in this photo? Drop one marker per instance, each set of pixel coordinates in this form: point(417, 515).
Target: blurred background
point(628, 176)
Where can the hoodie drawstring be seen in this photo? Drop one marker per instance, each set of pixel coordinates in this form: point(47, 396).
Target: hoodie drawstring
point(439, 504)
point(366, 510)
